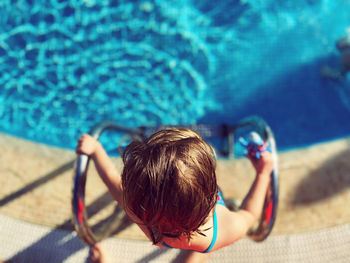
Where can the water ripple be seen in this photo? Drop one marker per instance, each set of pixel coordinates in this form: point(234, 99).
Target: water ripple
point(67, 64)
point(74, 63)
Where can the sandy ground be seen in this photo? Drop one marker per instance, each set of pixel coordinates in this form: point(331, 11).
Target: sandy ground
point(36, 186)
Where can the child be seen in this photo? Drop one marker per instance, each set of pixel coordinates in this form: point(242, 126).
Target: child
point(343, 46)
point(168, 187)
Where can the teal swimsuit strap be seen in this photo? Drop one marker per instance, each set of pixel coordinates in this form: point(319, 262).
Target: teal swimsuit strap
point(220, 201)
point(166, 245)
point(215, 234)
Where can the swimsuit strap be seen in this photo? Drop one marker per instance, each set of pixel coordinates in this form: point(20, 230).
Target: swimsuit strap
point(220, 201)
point(166, 245)
point(215, 233)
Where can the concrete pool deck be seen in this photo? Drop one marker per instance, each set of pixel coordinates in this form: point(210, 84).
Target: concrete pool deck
point(36, 190)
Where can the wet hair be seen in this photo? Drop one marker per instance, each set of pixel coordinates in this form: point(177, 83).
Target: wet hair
point(169, 182)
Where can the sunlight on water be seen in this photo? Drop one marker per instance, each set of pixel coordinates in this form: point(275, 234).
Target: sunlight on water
point(66, 65)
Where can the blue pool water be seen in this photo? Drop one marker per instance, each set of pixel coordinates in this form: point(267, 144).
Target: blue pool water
point(65, 65)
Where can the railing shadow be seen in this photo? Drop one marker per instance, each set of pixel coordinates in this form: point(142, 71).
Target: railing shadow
point(59, 245)
point(54, 247)
point(328, 180)
point(37, 183)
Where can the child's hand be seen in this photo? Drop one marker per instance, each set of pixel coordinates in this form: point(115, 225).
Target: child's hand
point(86, 145)
point(263, 165)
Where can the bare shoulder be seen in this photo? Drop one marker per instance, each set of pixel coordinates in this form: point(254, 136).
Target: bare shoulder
point(231, 226)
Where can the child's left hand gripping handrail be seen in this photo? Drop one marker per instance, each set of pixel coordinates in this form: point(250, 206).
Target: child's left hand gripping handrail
point(78, 201)
point(261, 141)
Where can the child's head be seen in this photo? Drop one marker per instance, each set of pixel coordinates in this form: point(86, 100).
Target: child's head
point(169, 182)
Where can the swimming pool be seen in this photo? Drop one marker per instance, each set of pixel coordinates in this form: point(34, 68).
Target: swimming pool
point(66, 65)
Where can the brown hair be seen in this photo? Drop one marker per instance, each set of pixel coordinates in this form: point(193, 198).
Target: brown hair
point(169, 182)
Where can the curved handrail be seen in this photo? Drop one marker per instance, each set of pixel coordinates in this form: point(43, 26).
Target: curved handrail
point(78, 201)
point(269, 212)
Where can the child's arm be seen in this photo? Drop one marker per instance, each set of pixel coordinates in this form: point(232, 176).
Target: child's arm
point(108, 173)
point(235, 225)
point(104, 165)
point(254, 201)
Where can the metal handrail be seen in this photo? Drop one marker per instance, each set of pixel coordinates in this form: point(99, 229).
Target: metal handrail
point(269, 213)
point(267, 219)
point(81, 168)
